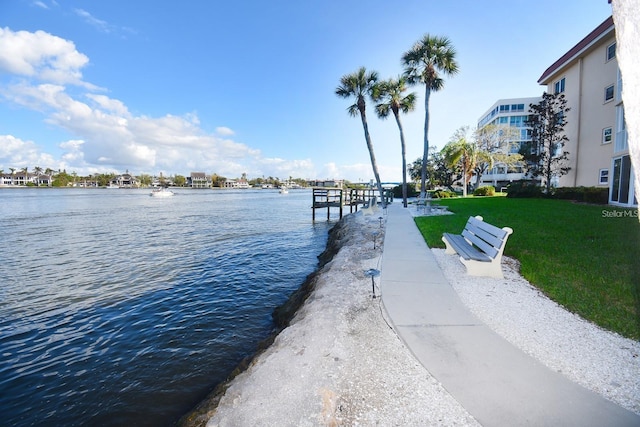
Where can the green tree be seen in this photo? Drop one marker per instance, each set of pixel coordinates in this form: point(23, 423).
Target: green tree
point(392, 95)
point(440, 172)
point(217, 180)
point(460, 152)
point(544, 155)
point(37, 170)
point(359, 85)
point(62, 179)
point(430, 57)
point(495, 145)
point(145, 180)
point(104, 179)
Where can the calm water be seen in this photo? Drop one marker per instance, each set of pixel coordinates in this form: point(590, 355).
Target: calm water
point(117, 308)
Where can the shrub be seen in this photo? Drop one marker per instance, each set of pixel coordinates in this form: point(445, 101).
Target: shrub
point(411, 191)
point(443, 194)
point(597, 195)
point(566, 193)
point(485, 190)
point(524, 189)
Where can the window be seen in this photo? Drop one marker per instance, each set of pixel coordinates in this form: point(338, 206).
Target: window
point(611, 52)
point(559, 86)
point(621, 180)
point(607, 135)
point(517, 121)
point(608, 93)
point(603, 177)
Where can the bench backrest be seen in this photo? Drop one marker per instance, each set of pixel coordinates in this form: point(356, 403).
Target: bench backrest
point(486, 237)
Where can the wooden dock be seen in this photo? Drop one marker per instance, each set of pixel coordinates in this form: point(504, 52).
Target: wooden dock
point(327, 198)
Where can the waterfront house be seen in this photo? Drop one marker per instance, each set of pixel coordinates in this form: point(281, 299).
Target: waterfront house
point(22, 179)
point(199, 180)
point(333, 183)
point(236, 183)
point(590, 79)
point(6, 179)
point(125, 180)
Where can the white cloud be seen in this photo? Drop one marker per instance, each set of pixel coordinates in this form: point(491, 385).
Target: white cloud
point(99, 24)
point(106, 136)
point(16, 153)
point(42, 56)
point(224, 131)
point(112, 105)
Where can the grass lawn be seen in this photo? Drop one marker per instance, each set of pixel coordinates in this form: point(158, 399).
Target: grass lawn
point(584, 257)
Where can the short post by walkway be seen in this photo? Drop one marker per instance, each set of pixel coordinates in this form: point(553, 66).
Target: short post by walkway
point(373, 273)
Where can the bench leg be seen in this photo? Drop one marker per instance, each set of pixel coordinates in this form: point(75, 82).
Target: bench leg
point(484, 269)
point(449, 249)
point(370, 210)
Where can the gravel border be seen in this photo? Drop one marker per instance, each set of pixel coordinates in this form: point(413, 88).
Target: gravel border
point(599, 360)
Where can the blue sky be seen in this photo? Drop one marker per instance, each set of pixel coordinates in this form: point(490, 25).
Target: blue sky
point(248, 86)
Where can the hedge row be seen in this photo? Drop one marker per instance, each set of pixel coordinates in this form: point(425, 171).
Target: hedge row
point(528, 189)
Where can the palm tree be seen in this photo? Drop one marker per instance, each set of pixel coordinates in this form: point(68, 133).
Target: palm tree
point(359, 85)
point(424, 62)
point(13, 173)
point(25, 170)
point(38, 171)
point(459, 152)
point(391, 92)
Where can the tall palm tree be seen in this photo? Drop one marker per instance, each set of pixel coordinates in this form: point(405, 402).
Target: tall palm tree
point(430, 57)
point(359, 85)
point(391, 93)
point(13, 173)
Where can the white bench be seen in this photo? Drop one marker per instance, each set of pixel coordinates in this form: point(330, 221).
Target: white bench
point(370, 207)
point(480, 247)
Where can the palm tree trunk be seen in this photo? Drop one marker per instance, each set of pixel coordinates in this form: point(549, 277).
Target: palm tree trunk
point(404, 160)
point(425, 155)
point(464, 177)
point(374, 164)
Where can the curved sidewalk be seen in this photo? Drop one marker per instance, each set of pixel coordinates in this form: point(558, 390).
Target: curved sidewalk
point(497, 383)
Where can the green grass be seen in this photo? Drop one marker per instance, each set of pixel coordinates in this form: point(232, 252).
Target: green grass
point(584, 257)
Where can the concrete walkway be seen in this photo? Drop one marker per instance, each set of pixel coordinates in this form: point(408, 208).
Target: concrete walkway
point(495, 382)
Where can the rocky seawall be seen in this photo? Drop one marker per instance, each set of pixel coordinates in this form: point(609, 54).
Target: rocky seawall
point(339, 236)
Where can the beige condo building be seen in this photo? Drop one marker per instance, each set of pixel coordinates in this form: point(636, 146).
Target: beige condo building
point(589, 77)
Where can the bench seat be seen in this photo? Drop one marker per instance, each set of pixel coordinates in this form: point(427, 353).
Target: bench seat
point(480, 247)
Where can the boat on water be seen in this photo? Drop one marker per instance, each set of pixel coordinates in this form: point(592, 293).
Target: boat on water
point(112, 186)
point(161, 192)
point(284, 190)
